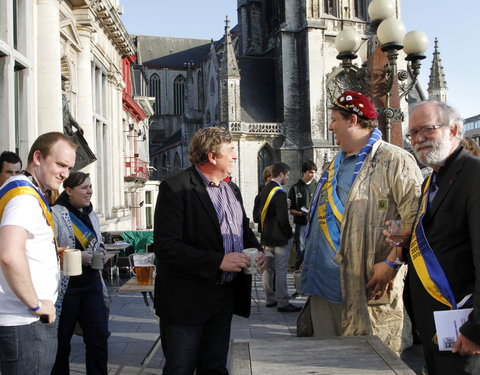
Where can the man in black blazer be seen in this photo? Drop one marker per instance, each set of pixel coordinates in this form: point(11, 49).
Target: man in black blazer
point(276, 237)
point(451, 223)
point(199, 233)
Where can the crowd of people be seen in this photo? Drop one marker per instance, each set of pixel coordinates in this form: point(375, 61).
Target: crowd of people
point(350, 254)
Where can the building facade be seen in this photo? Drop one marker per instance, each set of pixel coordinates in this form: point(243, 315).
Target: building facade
point(78, 49)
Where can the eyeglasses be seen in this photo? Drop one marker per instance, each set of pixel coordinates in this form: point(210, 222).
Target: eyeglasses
point(426, 130)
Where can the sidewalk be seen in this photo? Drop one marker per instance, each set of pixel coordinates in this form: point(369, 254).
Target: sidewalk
point(134, 330)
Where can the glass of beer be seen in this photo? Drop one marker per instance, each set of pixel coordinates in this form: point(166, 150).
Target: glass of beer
point(144, 268)
point(144, 274)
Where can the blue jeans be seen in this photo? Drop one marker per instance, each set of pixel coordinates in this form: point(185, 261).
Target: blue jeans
point(28, 349)
point(203, 348)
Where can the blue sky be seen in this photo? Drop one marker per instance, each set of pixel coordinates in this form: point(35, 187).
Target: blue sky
point(205, 19)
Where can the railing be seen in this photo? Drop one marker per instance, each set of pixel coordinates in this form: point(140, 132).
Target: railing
point(256, 128)
point(136, 168)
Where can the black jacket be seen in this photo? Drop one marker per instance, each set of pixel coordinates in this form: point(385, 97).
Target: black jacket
point(189, 249)
point(452, 227)
point(276, 230)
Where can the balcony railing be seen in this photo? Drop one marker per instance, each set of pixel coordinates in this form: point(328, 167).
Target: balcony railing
point(136, 168)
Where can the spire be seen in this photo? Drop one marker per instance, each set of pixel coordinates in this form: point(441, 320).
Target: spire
point(437, 86)
point(228, 66)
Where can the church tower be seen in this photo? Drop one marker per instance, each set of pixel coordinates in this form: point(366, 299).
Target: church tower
point(437, 86)
point(229, 80)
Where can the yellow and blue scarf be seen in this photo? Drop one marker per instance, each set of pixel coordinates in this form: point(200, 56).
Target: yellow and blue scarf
point(426, 263)
point(22, 187)
point(267, 202)
point(330, 208)
point(82, 232)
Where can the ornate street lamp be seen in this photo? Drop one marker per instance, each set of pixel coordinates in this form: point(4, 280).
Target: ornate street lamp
point(379, 77)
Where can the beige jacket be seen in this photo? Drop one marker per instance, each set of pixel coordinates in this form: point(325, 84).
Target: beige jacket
point(387, 187)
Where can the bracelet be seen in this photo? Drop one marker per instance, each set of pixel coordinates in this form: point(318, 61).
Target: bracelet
point(33, 309)
point(392, 265)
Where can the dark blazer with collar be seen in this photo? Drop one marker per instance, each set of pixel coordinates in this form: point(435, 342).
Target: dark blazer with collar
point(189, 250)
point(452, 227)
point(276, 230)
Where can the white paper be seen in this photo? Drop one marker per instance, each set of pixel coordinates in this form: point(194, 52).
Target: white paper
point(448, 323)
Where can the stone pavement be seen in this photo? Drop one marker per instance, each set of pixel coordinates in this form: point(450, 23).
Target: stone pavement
point(134, 330)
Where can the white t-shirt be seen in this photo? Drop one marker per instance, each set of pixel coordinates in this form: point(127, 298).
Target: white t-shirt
point(25, 211)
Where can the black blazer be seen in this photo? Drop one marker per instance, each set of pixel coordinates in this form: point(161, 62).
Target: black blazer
point(276, 230)
point(452, 227)
point(189, 249)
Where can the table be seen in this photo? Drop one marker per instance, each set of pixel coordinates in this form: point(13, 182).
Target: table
point(354, 355)
point(131, 286)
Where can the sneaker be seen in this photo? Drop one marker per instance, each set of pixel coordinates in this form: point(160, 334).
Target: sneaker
point(271, 304)
point(289, 308)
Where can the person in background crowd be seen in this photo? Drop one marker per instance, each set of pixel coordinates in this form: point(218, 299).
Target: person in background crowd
point(200, 231)
point(10, 165)
point(300, 195)
point(349, 270)
point(29, 268)
point(82, 297)
point(257, 205)
point(276, 238)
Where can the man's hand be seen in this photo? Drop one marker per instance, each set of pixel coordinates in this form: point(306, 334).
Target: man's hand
point(47, 309)
point(406, 236)
point(381, 280)
point(464, 346)
point(234, 262)
point(260, 261)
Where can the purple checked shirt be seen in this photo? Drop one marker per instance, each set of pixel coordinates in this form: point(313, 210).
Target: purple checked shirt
point(230, 217)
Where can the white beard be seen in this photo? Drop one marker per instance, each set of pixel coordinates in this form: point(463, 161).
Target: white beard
point(440, 151)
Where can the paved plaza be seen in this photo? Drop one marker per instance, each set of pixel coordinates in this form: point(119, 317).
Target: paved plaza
point(134, 330)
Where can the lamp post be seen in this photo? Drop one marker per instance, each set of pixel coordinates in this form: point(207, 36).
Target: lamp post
point(380, 78)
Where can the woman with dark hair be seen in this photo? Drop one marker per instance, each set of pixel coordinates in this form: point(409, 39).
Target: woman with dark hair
point(81, 298)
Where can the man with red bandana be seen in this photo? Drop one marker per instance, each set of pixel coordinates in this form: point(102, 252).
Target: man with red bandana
point(348, 267)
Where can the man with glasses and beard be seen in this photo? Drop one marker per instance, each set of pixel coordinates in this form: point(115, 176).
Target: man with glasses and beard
point(444, 254)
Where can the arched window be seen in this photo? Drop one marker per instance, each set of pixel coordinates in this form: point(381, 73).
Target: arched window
point(154, 90)
point(264, 159)
point(178, 95)
point(177, 167)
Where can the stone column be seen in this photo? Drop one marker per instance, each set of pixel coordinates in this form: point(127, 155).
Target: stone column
point(49, 90)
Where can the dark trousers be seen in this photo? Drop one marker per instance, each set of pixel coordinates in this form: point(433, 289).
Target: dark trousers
point(448, 363)
point(85, 305)
point(28, 349)
point(202, 347)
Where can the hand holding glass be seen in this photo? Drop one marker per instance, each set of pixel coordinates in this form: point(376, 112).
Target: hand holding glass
point(398, 235)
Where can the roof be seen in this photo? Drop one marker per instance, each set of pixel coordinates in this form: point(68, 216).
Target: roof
point(162, 51)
